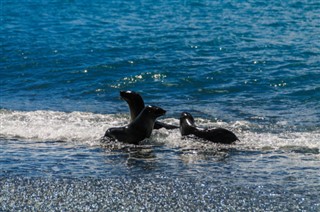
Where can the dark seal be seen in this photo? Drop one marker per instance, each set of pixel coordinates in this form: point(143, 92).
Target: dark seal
point(217, 135)
point(136, 105)
point(139, 129)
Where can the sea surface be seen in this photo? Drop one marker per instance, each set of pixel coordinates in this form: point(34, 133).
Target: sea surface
point(252, 67)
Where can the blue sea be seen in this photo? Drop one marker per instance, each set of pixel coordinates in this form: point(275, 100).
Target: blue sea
point(252, 67)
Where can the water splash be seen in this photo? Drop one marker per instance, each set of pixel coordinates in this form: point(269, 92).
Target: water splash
point(88, 128)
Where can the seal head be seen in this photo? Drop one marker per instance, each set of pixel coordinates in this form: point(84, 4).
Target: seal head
point(187, 125)
point(135, 102)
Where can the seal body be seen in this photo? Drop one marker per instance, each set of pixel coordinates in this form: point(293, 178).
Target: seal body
point(217, 135)
point(139, 129)
point(136, 105)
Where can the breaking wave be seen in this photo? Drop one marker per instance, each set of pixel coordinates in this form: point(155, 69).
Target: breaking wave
point(88, 128)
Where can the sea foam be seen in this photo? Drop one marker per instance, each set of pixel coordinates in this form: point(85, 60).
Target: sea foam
point(88, 128)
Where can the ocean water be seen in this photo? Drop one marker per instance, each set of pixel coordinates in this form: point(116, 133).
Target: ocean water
point(252, 67)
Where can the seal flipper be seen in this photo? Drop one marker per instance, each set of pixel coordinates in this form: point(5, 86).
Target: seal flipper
point(159, 125)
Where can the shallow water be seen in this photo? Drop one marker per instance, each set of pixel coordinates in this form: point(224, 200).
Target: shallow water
point(56, 161)
point(250, 67)
point(60, 176)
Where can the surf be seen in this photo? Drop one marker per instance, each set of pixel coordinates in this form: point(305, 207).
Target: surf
point(88, 128)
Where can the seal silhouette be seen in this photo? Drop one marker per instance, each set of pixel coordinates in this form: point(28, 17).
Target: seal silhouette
point(136, 105)
point(139, 129)
point(216, 135)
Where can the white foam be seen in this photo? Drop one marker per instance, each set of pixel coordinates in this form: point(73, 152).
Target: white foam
point(88, 128)
point(57, 126)
point(282, 140)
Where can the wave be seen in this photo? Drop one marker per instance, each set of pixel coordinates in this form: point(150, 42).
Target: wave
point(88, 128)
point(55, 126)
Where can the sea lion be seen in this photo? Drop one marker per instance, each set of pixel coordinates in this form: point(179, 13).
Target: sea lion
point(217, 135)
point(136, 105)
point(139, 129)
